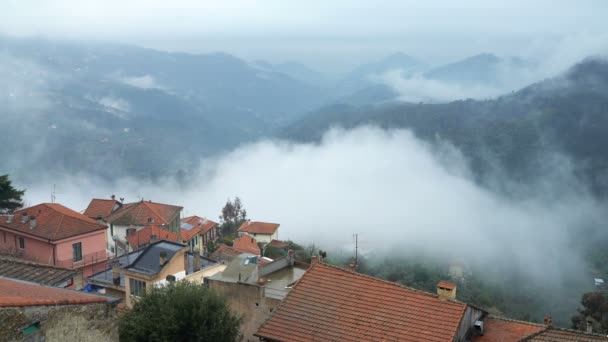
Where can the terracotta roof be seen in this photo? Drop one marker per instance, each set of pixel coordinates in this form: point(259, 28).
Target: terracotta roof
point(34, 272)
point(228, 253)
point(335, 304)
point(20, 293)
point(142, 236)
point(187, 235)
point(247, 244)
point(101, 208)
point(53, 222)
point(259, 227)
point(197, 221)
point(506, 330)
point(446, 285)
point(551, 334)
point(140, 213)
point(279, 244)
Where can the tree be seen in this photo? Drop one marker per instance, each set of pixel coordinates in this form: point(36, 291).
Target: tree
point(10, 198)
point(594, 310)
point(180, 311)
point(232, 216)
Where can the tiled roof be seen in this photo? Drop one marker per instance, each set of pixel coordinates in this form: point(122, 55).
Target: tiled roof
point(225, 253)
point(148, 261)
point(334, 304)
point(197, 221)
point(34, 272)
point(20, 293)
point(140, 213)
point(552, 334)
point(53, 222)
point(279, 244)
point(506, 330)
point(101, 208)
point(446, 285)
point(246, 244)
point(142, 236)
point(259, 227)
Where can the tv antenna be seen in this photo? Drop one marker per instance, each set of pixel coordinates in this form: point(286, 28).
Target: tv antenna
point(356, 237)
point(53, 197)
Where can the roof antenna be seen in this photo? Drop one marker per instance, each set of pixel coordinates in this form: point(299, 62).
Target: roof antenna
point(53, 197)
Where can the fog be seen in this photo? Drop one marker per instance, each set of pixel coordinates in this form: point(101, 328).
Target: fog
point(388, 186)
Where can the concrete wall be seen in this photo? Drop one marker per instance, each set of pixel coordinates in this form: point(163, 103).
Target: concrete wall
point(35, 250)
point(265, 238)
point(95, 322)
point(197, 277)
point(471, 315)
point(249, 302)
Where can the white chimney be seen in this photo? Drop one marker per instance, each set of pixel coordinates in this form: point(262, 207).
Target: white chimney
point(32, 222)
point(24, 218)
point(9, 218)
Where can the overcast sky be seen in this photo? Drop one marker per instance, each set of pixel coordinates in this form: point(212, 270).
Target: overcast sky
point(325, 34)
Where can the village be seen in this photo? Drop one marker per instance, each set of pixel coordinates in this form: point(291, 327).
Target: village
point(65, 274)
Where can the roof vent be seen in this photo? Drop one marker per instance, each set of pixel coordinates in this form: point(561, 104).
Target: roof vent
point(32, 222)
point(479, 327)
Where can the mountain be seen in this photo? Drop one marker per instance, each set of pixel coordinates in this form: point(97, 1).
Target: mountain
point(104, 108)
point(515, 133)
point(296, 70)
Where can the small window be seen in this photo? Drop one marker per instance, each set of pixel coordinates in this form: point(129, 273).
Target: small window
point(22, 243)
point(77, 251)
point(4, 235)
point(137, 287)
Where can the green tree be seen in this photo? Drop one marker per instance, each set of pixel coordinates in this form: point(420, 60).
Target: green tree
point(232, 216)
point(10, 198)
point(180, 311)
point(594, 311)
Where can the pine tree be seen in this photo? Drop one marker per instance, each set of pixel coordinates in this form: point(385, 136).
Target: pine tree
point(10, 198)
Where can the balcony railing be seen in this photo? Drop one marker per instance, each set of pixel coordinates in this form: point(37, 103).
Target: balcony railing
point(87, 259)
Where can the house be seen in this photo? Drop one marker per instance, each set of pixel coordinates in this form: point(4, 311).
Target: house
point(247, 244)
point(226, 254)
point(198, 232)
point(52, 234)
point(34, 312)
point(499, 329)
point(150, 233)
point(99, 209)
point(131, 217)
point(39, 273)
point(254, 290)
point(262, 231)
point(134, 272)
point(336, 304)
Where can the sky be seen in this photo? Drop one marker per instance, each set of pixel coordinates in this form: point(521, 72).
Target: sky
point(328, 35)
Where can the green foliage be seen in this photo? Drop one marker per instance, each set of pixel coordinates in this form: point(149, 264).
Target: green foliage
point(273, 252)
point(228, 240)
point(181, 311)
point(10, 198)
point(232, 216)
point(594, 309)
point(211, 247)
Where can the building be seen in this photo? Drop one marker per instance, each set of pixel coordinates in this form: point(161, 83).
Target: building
point(39, 273)
point(198, 232)
point(33, 312)
point(52, 234)
point(335, 304)
point(226, 254)
point(131, 217)
point(499, 329)
point(262, 231)
point(150, 233)
point(254, 290)
point(99, 209)
point(247, 244)
point(155, 264)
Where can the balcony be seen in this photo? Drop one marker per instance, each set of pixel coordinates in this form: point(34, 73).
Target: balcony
point(87, 259)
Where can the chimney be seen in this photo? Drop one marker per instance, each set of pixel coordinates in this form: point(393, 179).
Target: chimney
point(589, 327)
point(24, 218)
point(196, 261)
point(291, 257)
point(32, 222)
point(9, 218)
point(113, 197)
point(314, 260)
point(548, 320)
point(152, 237)
point(116, 272)
point(163, 258)
point(446, 290)
point(352, 267)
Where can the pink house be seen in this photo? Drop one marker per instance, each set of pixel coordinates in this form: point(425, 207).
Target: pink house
point(53, 234)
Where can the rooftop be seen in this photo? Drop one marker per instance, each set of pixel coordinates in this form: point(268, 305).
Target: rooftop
point(334, 304)
point(246, 244)
point(34, 272)
point(506, 330)
point(143, 236)
point(106, 278)
point(53, 222)
point(196, 221)
point(101, 208)
point(259, 227)
point(144, 212)
point(22, 293)
point(148, 261)
point(551, 334)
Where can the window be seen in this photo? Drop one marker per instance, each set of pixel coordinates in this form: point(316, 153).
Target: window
point(77, 251)
point(4, 234)
point(137, 287)
point(111, 230)
point(22, 243)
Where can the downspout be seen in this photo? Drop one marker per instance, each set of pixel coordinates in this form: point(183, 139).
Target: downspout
point(54, 261)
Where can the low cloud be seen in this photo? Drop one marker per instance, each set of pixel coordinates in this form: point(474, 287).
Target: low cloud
point(143, 82)
point(388, 186)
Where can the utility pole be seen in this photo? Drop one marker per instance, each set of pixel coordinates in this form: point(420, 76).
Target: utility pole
point(356, 236)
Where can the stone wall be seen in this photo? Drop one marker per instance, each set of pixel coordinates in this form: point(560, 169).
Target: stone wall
point(96, 322)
